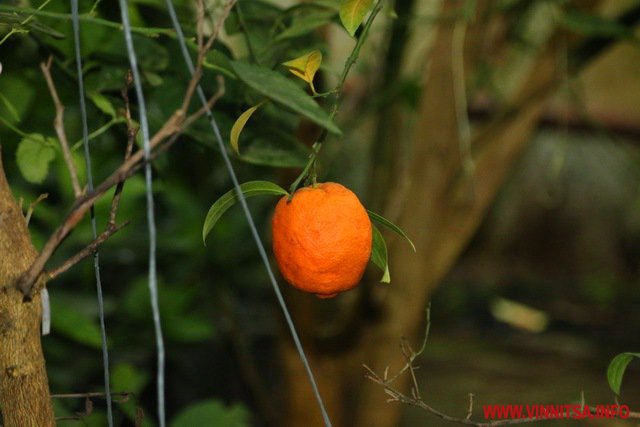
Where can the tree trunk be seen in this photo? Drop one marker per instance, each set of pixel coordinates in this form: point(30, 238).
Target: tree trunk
point(24, 388)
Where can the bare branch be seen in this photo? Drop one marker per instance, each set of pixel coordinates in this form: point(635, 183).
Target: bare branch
point(32, 206)
point(132, 132)
point(200, 24)
point(216, 30)
point(88, 250)
point(396, 395)
point(210, 103)
point(123, 396)
point(202, 52)
point(470, 410)
point(58, 124)
point(120, 397)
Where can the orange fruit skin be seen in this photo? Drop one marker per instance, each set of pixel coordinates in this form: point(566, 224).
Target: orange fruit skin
point(322, 239)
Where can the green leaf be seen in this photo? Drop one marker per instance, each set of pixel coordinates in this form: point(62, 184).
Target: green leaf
point(284, 91)
point(379, 254)
point(10, 108)
point(391, 226)
point(276, 151)
point(44, 29)
point(616, 369)
point(125, 377)
point(218, 61)
point(154, 79)
point(352, 13)
point(240, 124)
point(307, 23)
point(17, 93)
point(106, 78)
point(189, 327)
point(332, 4)
point(67, 321)
point(249, 189)
point(103, 104)
point(212, 413)
point(33, 156)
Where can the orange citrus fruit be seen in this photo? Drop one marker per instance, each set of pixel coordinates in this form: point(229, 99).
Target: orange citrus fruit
point(322, 239)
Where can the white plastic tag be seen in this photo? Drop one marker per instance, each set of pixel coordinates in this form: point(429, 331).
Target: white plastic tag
point(46, 311)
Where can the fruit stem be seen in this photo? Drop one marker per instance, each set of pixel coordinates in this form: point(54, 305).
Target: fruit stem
point(315, 149)
point(351, 60)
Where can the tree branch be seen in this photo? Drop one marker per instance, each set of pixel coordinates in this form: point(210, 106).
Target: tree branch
point(58, 124)
point(174, 125)
point(88, 250)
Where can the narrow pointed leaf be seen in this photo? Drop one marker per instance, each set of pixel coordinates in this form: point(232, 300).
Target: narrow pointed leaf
point(379, 254)
point(284, 91)
point(616, 369)
point(249, 189)
point(103, 103)
point(305, 66)
point(352, 13)
point(10, 108)
point(391, 226)
point(307, 22)
point(240, 124)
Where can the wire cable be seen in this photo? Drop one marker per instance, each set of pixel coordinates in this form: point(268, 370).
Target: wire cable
point(96, 257)
point(153, 281)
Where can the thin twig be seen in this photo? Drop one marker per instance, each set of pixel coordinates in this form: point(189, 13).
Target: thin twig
point(58, 124)
point(132, 132)
point(210, 103)
point(414, 355)
point(200, 24)
point(202, 52)
point(470, 410)
point(124, 395)
point(410, 355)
point(120, 397)
point(32, 205)
point(90, 249)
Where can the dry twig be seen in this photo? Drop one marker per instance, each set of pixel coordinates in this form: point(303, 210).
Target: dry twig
point(415, 399)
point(88, 250)
point(119, 397)
point(32, 205)
point(58, 124)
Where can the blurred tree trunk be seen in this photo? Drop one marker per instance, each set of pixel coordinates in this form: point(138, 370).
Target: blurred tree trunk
point(443, 208)
point(24, 387)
